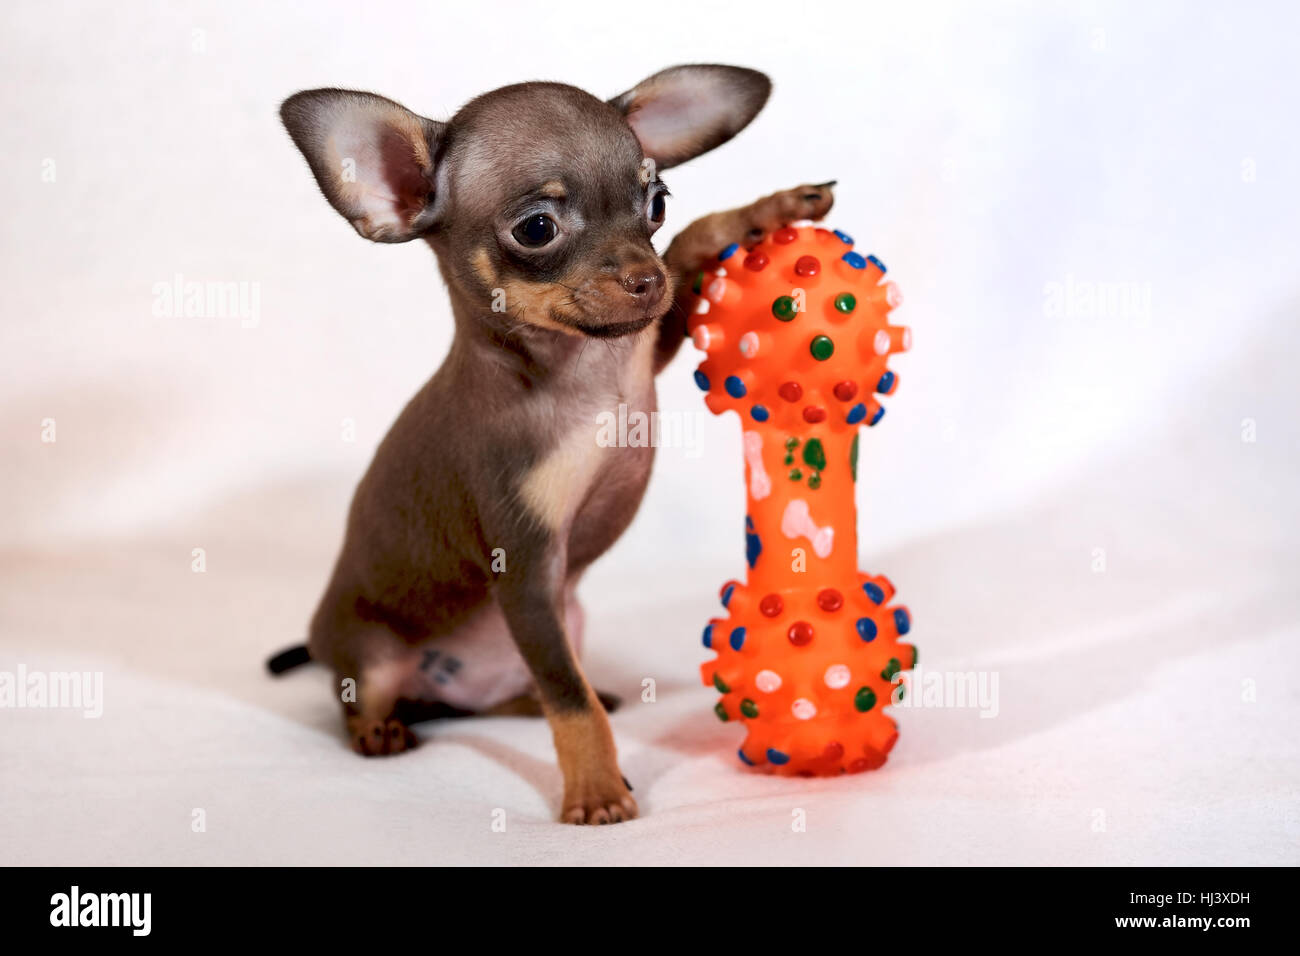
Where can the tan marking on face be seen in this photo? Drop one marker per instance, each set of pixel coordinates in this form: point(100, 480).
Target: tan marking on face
point(482, 265)
point(534, 302)
point(553, 189)
point(560, 481)
point(647, 172)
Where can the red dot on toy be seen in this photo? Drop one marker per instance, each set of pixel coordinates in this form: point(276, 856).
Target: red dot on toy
point(784, 236)
point(873, 759)
point(756, 261)
point(800, 633)
point(807, 266)
point(845, 390)
point(725, 592)
point(834, 750)
point(829, 599)
point(814, 414)
point(771, 605)
point(791, 391)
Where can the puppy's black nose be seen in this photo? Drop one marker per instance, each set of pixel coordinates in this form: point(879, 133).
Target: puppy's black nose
point(645, 285)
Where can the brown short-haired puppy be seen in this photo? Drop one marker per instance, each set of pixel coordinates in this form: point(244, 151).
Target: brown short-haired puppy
point(454, 591)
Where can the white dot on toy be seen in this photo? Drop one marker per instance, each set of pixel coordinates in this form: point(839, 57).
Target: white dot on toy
point(837, 676)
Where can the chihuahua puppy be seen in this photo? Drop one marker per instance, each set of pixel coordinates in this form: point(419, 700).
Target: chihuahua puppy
point(454, 590)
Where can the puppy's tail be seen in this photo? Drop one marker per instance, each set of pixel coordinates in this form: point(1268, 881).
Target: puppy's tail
point(288, 659)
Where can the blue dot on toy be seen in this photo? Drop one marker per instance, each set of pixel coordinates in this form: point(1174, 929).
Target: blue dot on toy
point(886, 383)
point(728, 252)
point(735, 387)
point(708, 636)
point(880, 413)
point(701, 380)
point(726, 594)
point(743, 759)
point(777, 757)
point(844, 237)
point(877, 263)
point(866, 629)
point(874, 591)
point(855, 260)
point(737, 640)
point(856, 414)
point(902, 620)
point(753, 543)
point(760, 413)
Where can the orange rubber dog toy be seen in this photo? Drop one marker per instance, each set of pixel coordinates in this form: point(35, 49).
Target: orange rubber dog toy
point(797, 335)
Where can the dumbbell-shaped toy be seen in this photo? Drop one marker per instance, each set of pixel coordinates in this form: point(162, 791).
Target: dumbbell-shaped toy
point(797, 340)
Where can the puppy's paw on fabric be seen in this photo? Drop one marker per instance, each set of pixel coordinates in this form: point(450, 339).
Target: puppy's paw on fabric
point(594, 802)
point(379, 738)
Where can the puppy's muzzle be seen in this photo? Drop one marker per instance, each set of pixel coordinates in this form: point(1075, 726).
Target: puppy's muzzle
point(622, 304)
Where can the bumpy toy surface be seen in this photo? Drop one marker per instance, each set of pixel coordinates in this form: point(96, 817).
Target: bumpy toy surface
point(797, 339)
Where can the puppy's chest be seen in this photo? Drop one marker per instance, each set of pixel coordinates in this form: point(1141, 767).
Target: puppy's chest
point(600, 455)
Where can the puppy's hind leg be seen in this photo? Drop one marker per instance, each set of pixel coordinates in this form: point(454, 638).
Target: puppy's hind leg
point(371, 666)
point(375, 727)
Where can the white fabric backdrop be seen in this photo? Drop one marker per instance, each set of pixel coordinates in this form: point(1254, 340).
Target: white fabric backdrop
point(1003, 159)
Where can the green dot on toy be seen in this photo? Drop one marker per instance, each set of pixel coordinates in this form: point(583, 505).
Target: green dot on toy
point(864, 699)
point(749, 708)
point(814, 454)
point(783, 308)
point(721, 712)
point(891, 669)
point(720, 684)
point(845, 302)
point(822, 348)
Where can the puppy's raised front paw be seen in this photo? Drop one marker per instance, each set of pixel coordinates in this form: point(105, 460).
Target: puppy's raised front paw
point(791, 205)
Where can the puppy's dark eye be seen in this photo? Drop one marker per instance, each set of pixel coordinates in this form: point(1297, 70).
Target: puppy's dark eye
point(536, 231)
point(658, 207)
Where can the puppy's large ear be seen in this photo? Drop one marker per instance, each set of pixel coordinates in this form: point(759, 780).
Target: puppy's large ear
point(684, 111)
point(373, 158)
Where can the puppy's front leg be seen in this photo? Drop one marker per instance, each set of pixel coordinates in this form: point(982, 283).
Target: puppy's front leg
point(530, 596)
point(701, 241)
